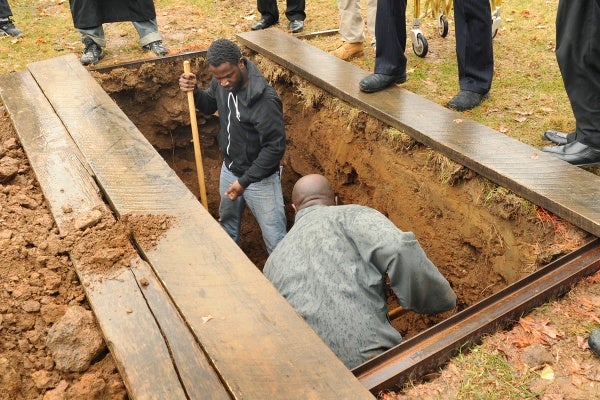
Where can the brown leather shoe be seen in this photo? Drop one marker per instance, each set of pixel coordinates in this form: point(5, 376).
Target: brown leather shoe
point(349, 50)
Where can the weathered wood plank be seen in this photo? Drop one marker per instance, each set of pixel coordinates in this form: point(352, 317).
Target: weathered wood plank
point(260, 346)
point(565, 190)
point(129, 326)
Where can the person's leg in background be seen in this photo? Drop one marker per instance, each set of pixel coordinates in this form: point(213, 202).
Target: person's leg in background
point(93, 40)
point(474, 52)
point(7, 27)
point(351, 29)
point(390, 61)
point(150, 37)
point(578, 56)
point(295, 13)
point(269, 14)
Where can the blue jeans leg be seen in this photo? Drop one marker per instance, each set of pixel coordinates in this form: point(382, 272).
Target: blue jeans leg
point(265, 200)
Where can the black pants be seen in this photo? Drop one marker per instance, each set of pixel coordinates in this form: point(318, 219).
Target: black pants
point(578, 56)
point(474, 49)
point(5, 9)
point(294, 10)
point(390, 31)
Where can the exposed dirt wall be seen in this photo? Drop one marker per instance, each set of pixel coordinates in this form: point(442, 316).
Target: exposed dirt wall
point(480, 236)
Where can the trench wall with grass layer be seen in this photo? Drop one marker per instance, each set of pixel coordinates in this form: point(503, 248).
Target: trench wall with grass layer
point(481, 236)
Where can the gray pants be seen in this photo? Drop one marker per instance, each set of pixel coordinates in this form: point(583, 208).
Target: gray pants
point(147, 30)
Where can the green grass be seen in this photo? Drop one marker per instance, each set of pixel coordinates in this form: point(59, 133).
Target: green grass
point(488, 375)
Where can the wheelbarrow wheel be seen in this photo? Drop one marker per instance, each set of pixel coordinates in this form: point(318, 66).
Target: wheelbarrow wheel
point(420, 46)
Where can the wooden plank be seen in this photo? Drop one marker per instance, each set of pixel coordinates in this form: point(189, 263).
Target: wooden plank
point(143, 341)
point(261, 348)
point(566, 190)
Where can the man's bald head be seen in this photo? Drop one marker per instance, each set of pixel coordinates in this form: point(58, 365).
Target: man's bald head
point(311, 190)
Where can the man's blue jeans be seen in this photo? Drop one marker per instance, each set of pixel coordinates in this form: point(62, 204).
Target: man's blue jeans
point(265, 200)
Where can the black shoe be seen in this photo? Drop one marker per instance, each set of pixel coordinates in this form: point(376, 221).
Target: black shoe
point(157, 48)
point(594, 341)
point(92, 53)
point(296, 25)
point(8, 28)
point(376, 82)
point(575, 153)
point(465, 100)
point(264, 23)
point(558, 137)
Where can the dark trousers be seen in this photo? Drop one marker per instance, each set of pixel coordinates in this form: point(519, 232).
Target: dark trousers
point(390, 31)
point(5, 9)
point(294, 10)
point(474, 49)
point(578, 56)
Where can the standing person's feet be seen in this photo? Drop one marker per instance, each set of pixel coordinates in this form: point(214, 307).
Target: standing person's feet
point(376, 82)
point(8, 28)
point(264, 23)
point(296, 25)
point(348, 50)
point(575, 153)
point(558, 137)
point(157, 48)
point(92, 53)
point(466, 100)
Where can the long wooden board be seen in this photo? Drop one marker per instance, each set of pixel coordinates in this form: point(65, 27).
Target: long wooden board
point(258, 344)
point(565, 190)
point(156, 354)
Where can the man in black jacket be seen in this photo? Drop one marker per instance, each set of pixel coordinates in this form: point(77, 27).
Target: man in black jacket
point(89, 15)
point(251, 139)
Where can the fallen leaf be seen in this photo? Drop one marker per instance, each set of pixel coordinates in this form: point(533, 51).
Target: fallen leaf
point(534, 156)
point(458, 121)
point(547, 373)
point(520, 119)
point(503, 129)
point(207, 318)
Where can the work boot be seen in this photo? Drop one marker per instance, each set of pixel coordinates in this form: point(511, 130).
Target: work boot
point(7, 28)
point(92, 53)
point(157, 48)
point(349, 50)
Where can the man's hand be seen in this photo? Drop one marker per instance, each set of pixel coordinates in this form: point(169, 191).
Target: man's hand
point(187, 82)
point(234, 190)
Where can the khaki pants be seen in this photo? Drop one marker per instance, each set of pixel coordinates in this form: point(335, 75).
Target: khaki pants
point(352, 27)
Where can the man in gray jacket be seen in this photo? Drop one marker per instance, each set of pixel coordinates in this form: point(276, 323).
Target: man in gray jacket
point(251, 139)
point(332, 265)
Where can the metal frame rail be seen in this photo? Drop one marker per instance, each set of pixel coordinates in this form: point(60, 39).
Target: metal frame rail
point(431, 348)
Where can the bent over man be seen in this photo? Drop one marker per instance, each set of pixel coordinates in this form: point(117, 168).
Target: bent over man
point(332, 265)
point(251, 139)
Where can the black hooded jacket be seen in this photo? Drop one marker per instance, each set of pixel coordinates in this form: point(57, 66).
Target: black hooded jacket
point(252, 134)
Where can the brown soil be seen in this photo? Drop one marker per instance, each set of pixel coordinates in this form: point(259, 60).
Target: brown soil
point(480, 236)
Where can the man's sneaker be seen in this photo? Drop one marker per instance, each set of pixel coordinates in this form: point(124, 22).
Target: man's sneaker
point(157, 48)
point(349, 50)
point(92, 53)
point(7, 28)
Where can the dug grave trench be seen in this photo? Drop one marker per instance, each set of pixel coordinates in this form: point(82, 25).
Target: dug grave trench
point(481, 236)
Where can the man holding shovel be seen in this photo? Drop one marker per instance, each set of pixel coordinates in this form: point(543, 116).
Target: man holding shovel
point(251, 139)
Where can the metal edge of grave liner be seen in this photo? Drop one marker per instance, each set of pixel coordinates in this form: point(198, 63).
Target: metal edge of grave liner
point(431, 348)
